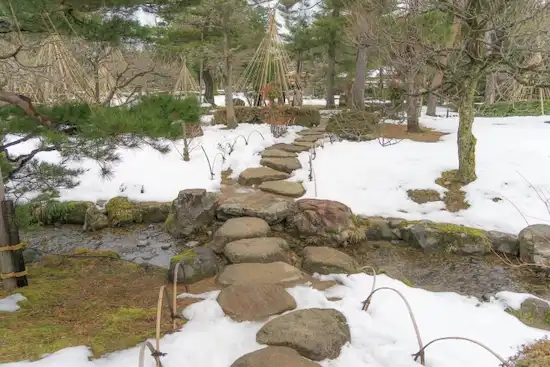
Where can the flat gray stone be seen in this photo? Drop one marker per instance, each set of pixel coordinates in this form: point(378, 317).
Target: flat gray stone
point(290, 147)
point(274, 357)
point(315, 333)
point(282, 164)
point(326, 260)
point(309, 138)
point(255, 302)
point(285, 188)
point(257, 250)
point(257, 175)
point(277, 153)
point(236, 229)
point(258, 204)
point(271, 273)
point(306, 144)
point(534, 244)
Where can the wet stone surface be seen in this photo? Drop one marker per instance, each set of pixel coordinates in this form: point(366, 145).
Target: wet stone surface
point(139, 244)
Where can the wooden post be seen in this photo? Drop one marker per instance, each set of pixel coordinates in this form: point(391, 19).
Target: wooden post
point(6, 262)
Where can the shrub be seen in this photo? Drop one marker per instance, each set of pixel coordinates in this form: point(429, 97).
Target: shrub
point(304, 116)
point(354, 125)
point(511, 108)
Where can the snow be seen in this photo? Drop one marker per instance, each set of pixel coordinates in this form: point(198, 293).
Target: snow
point(10, 303)
point(162, 176)
point(381, 337)
point(512, 154)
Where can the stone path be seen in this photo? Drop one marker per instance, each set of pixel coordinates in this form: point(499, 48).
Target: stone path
point(278, 162)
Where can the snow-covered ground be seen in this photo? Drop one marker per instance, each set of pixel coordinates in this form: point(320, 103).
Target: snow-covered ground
point(162, 176)
point(10, 303)
point(381, 337)
point(512, 154)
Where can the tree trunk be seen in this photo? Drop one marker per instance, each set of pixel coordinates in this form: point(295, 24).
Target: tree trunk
point(331, 67)
point(6, 263)
point(228, 87)
point(358, 99)
point(208, 86)
point(491, 89)
point(414, 100)
point(438, 77)
point(466, 140)
point(432, 104)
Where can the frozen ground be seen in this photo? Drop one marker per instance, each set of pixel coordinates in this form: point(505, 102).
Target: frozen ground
point(512, 154)
point(381, 337)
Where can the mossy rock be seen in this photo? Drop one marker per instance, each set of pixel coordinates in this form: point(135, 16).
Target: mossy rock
point(60, 212)
point(533, 312)
point(122, 212)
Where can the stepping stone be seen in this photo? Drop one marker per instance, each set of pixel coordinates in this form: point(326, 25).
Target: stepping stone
point(274, 357)
point(326, 260)
point(257, 175)
point(290, 147)
point(258, 204)
point(277, 153)
point(271, 273)
point(282, 164)
point(309, 138)
point(238, 229)
point(257, 250)
point(255, 302)
point(285, 188)
point(309, 132)
point(315, 333)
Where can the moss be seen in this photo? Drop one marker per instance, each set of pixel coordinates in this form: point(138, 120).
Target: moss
point(457, 229)
point(122, 211)
point(169, 222)
point(55, 212)
point(188, 254)
point(422, 196)
point(73, 301)
point(96, 253)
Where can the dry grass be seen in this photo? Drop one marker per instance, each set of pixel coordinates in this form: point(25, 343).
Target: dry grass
point(399, 132)
point(455, 198)
point(534, 355)
point(102, 302)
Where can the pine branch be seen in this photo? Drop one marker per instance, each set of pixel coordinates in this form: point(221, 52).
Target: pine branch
point(25, 158)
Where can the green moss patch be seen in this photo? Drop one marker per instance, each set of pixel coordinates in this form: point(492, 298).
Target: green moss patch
point(96, 253)
point(454, 198)
point(52, 212)
point(122, 211)
point(188, 254)
point(104, 303)
point(422, 196)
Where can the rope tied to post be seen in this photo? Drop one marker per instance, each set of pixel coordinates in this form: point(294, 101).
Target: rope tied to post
point(19, 246)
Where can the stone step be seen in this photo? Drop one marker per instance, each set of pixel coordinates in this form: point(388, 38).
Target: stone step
point(255, 302)
point(284, 188)
point(277, 153)
point(307, 144)
point(290, 147)
point(274, 357)
point(327, 260)
point(286, 165)
point(258, 204)
point(257, 175)
point(271, 273)
point(309, 138)
point(257, 250)
point(236, 229)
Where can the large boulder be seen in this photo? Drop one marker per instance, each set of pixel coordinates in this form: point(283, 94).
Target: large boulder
point(442, 237)
point(237, 229)
point(196, 264)
point(258, 204)
point(122, 212)
point(154, 212)
point(315, 333)
point(193, 211)
point(255, 302)
point(257, 250)
point(326, 260)
point(330, 222)
point(534, 244)
point(274, 357)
